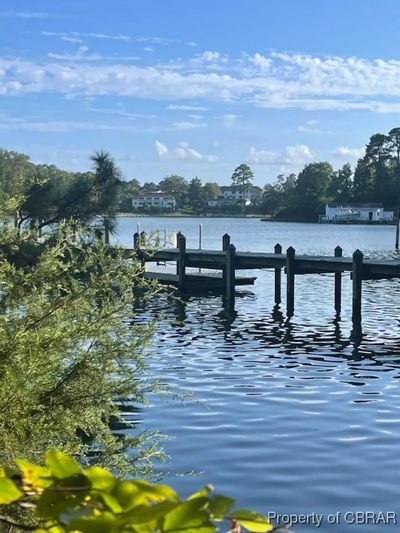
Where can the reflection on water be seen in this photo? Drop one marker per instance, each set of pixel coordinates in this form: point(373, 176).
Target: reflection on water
point(293, 415)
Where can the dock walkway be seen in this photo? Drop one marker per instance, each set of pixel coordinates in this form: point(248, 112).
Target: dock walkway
point(228, 260)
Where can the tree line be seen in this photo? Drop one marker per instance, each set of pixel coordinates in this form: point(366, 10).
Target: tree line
point(302, 196)
point(375, 179)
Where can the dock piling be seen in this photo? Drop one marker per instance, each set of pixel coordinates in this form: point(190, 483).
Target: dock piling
point(226, 241)
point(180, 265)
point(278, 276)
point(290, 272)
point(136, 240)
point(338, 283)
point(230, 277)
point(358, 258)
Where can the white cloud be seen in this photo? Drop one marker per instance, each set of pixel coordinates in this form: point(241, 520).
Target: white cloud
point(81, 55)
point(291, 80)
point(229, 119)
point(174, 107)
point(24, 14)
point(292, 155)
point(79, 35)
point(187, 125)
point(161, 40)
point(311, 127)
point(345, 152)
point(9, 122)
point(161, 148)
point(182, 151)
point(260, 61)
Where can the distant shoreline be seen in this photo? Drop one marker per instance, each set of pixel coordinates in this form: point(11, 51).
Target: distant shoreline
point(182, 215)
point(262, 218)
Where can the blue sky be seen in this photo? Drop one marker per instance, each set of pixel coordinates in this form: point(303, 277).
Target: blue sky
point(196, 88)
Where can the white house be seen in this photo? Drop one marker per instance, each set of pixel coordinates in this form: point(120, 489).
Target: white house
point(357, 212)
point(232, 195)
point(155, 200)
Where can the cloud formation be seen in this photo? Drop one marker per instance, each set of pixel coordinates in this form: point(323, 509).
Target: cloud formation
point(295, 156)
point(182, 151)
point(345, 152)
point(280, 80)
point(24, 14)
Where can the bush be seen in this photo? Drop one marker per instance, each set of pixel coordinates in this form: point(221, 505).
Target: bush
point(66, 497)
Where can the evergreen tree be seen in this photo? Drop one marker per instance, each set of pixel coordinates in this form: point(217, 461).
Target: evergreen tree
point(242, 178)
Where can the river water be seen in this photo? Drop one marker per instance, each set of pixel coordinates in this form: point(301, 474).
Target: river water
point(287, 416)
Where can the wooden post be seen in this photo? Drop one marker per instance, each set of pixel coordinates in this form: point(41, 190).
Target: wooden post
point(338, 283)
point(180, 265)
point(278, 276)
point(143, 238)
point(290, 266)
point(357, 287)
point(397, 228)
point(136, 240)
point(226, 241)
point(230, 277)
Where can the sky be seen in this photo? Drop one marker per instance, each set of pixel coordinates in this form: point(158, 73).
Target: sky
point(198, 87)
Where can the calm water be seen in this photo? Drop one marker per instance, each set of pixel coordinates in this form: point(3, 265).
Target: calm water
point(289, 416)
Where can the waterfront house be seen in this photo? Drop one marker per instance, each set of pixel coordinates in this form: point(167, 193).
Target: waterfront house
point(368, 212)
point(153, 200)
point(232, 195)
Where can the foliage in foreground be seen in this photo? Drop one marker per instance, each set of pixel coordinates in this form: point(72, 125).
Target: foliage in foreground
point(66, 497)
point(70, 351)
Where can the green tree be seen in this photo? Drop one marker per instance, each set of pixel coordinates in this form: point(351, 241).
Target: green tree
point(242, 178)
point(364, 182)
point(69, 353)
point(178, 187)
point(377, 154)
point(341, 186)
point(83, 196)
point(150, 186)
point(196, 195)
point(211, 191)
point(16, 174)
point(394, 147)
point(128, 188)
point(310, 193)
point(278, 197)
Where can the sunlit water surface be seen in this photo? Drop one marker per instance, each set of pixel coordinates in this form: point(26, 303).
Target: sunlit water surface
point(288, 416)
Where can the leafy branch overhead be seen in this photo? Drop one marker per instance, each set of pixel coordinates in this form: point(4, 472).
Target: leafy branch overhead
point(68, 498)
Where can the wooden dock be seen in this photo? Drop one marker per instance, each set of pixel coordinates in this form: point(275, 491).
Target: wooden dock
point(228, 260)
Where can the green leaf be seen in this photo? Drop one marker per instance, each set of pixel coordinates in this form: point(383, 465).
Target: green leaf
point(60, 465)
point(9, 492)
point(148, 513)
point(189, 517)
point(252, 521)
point(100, 478)
point(62, 496)
point(205, 491)
point(111, 502)
point(6, 471)
point(105, 523)
point(156, 493)
point(220, 506)
point(35, 475)
point(128, 495)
